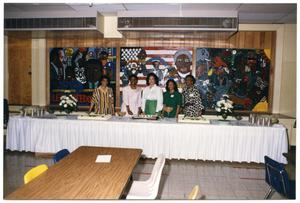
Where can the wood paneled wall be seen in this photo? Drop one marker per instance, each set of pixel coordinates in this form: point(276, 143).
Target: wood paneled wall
point(243, 39)
point(19, 71)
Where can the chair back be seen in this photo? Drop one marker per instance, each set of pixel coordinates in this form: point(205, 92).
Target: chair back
point(60, 155)
point(156, 175)
point(155, 169)
point(34, 172)
point(194, 193)
point(277, 178)
point(6, 112)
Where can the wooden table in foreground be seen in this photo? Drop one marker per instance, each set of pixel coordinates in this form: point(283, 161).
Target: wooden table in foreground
point(77, 176)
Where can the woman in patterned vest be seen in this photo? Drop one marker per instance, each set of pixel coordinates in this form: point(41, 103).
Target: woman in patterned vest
point(192, 105)
point(103, 98)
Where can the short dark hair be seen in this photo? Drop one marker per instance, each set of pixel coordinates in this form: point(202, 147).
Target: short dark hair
point(102, 54)
point(155, 78)
point(192, 77)
point(133, 76)
point(105, 77)
point(175, 85)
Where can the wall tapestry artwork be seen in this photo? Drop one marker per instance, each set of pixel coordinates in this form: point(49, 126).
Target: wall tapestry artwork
point(243, 74)
point(166, 63)
point(79, 70)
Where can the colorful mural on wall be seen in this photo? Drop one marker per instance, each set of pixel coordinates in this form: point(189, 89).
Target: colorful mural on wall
point(79, 70)
point(166, 63)
point(243, 74)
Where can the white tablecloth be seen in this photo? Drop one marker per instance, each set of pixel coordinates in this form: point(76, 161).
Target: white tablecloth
point(174, 140)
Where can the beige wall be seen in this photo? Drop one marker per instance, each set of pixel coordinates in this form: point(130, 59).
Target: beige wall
point(38, 67)
point(108, 26)
point(287, 103)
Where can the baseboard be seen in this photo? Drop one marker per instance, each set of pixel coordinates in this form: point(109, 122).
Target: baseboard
point(44, 155)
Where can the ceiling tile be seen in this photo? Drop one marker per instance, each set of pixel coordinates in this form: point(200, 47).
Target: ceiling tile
point(43, 7)
point(290, 18)
point(11, 8)
point(98, 7)
point(109, 7)
point(274, 13)
point(267, 8)
point(200, 6)
point(259, 17)
point(152, 6)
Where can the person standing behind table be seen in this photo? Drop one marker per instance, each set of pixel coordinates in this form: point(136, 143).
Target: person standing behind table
point(172, 100)
point(93, 72)
point(103, 98)
point(108, 66)
point(192, 105)
point(132, 97)
point(152, 99)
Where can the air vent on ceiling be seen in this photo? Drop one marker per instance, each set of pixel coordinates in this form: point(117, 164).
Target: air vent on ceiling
point(177, 23)
point(164, 27)
point(50, 23)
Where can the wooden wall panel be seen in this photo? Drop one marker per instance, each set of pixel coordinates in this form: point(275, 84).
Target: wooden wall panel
point(268, 40)
point(244, 39)
point(256, 39)
point(19, 70)
point(241, 40)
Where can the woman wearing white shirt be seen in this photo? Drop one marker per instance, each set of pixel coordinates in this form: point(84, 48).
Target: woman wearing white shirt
point(132, 97)
point(152, 99)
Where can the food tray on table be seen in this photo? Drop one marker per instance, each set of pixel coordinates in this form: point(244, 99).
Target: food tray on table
point(100, 117)
point(146, 117)
point(200, 119)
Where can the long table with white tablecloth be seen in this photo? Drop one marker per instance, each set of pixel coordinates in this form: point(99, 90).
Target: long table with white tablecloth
point(238, 143)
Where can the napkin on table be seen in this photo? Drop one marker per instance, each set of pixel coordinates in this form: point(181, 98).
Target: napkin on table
point(103, 159)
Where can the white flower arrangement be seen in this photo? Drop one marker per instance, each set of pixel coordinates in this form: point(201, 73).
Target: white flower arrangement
point(224, 107)
point(68, 103)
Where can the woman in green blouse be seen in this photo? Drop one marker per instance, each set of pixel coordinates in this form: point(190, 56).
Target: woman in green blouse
point(172, 100)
